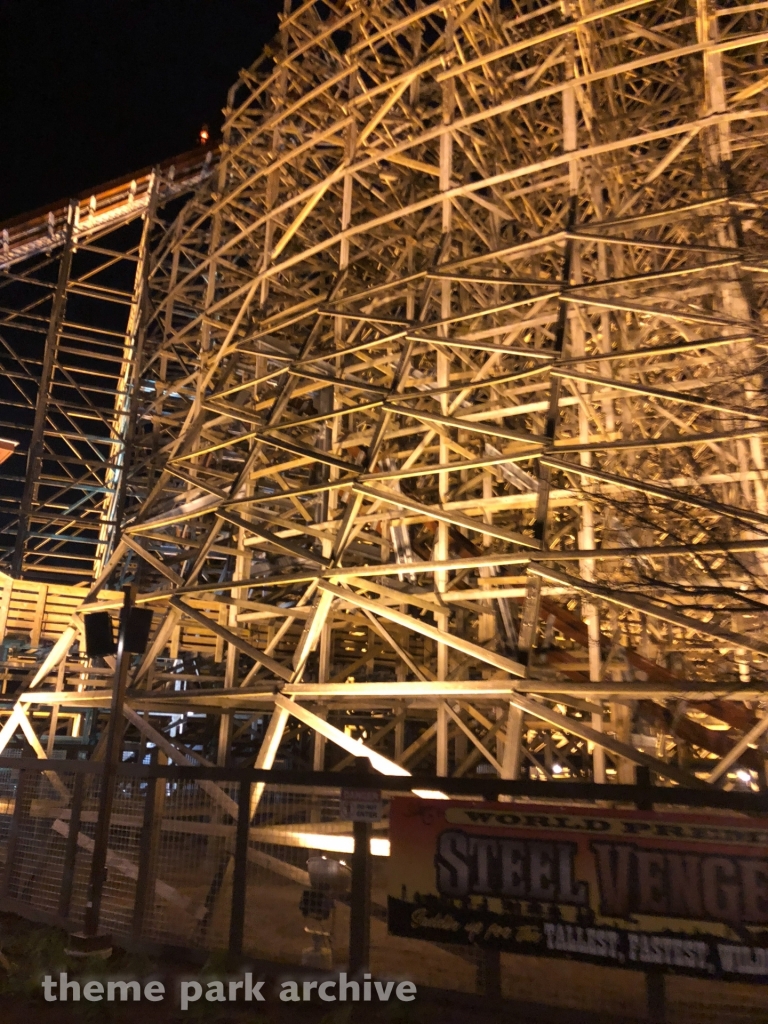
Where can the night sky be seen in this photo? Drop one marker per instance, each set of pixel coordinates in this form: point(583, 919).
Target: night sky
point(91, 90)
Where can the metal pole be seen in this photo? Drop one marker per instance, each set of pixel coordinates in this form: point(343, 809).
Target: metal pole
point(115, 729)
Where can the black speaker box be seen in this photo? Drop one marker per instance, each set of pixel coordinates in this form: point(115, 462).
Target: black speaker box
point(137, 632)
point(99, 638)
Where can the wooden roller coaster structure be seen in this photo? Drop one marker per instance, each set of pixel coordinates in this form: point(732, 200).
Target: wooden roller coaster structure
point(444, 408)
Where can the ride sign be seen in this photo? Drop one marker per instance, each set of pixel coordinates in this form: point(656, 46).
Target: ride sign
point(680, 892)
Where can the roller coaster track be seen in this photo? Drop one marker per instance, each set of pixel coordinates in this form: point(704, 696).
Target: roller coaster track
point(116, 203)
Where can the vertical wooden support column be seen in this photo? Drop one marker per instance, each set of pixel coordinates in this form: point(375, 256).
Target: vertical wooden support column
point(273, 178)
point(529, 618)
point(242, 571)
point(318, 751)
point(35, 454)
point(586, 537)
point(441, 551)
point(126, 408)
point(269, 747)
point(513, 743)
point(621, 724)
point(442, 740)
point(54, 721)
point(598, 752)
point(400, 742)
point(6, 593)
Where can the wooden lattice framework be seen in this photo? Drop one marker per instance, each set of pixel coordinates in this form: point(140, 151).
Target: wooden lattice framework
point(453, 401)
point(72, 280)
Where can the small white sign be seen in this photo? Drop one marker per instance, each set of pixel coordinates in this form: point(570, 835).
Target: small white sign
point(360, 805)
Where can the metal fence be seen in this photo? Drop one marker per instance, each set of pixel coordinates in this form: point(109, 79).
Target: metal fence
point(175, 871)
point(213, 859)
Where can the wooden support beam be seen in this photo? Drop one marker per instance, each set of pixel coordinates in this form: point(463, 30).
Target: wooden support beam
point(331, 343)
point(407, 621)
point(576, 727)
point(355, 747)
point(664, 613)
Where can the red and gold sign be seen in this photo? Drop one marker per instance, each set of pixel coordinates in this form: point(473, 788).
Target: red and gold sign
point(676, 891)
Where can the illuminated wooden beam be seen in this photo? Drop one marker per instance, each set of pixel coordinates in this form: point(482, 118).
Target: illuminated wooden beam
point(438, 635)
point(355, 747)
point(665, 613)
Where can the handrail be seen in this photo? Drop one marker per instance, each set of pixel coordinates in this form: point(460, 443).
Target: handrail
point(116, 201)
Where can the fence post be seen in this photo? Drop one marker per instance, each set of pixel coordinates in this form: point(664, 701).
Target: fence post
point(13, 833)
point(489, 973)
point(149, 846)
point(360, 891)
point(656, 997)
point(70, 850)
point(112, 754)
point(240, 871)
point(655, 984)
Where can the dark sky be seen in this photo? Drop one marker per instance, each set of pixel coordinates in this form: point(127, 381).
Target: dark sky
point(91, 90)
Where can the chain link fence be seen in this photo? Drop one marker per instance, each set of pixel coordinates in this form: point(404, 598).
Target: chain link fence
point(220, 862)
point(171, 860)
